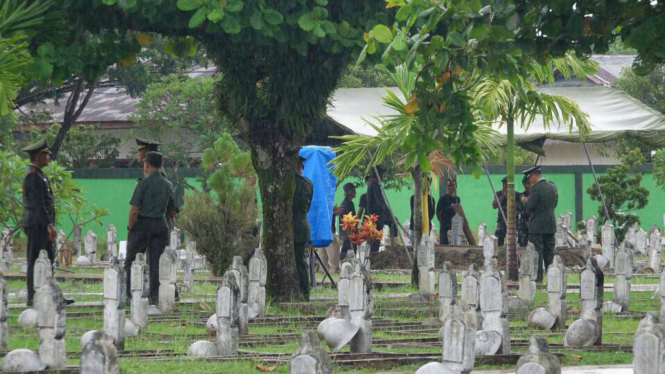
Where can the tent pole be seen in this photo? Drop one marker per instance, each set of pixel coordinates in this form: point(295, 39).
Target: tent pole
point(498, 203)
point(401, 234)
point(600, 192)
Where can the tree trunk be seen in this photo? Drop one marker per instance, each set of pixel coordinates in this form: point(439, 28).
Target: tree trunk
point(511, 237)
point(417, 175)
point(72, 112)
point(275, 158)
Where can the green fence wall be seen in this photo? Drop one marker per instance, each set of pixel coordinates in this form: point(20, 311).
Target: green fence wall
point(113, 188)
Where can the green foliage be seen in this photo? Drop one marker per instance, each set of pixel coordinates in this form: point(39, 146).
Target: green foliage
point(70, 204)
point(622, 191)
point(649, 89)
point(355, 76)
point(182, 110)
point(222, 222)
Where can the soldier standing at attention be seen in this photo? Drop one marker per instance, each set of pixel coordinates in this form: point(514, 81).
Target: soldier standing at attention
point(302, 199)
point(38, 211)
point(144, 146)
point(147, 228)
point(543, 198)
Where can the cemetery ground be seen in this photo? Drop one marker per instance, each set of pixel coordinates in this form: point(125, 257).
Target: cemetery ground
point(405, 334)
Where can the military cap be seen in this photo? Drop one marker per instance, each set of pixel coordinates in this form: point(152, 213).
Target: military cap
point(143, 143)
point(39, 146)
point(349, 187)
point(154, 158)
point(534, 169)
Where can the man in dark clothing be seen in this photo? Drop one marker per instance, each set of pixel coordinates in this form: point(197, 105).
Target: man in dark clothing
point(502, 196)
point(376, 204)
point(430, 207)
point(144, 146)
point(445, 210)
point(38, 211)
point(543, 198)
point(147, 228)
point(302, 199)
point(523, 221)
point(362, 203)
point(344, 209)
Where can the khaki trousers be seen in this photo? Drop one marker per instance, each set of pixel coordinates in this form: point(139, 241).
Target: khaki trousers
point(330, 255)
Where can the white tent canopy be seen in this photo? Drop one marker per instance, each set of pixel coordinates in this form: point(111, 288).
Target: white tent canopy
point(612, 113)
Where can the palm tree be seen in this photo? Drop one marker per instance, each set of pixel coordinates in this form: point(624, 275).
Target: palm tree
point(17, 17)
point(505, 100)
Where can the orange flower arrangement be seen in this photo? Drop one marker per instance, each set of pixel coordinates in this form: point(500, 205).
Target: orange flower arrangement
point(367, 231)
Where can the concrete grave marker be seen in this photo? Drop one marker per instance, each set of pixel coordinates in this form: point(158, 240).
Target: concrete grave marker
point(140, 287)
point(167, 278)
point(538, 359)
point(567, 219)
point(492, 306)
point(654, 250)
point(648, 355)
point(587, 330)
point(228, 294)
point(310, 357)
point(447, 290)
point(490, 243)
point(560, 235)
point(114, 302)
point(528, 274)
point(426, 280)
point(457, 230)
point(51, 321)
point(556, 291)
point(174, 239)
point(622, 273)
point(641, 242)
point(591, 224)
point(608, 242)
point(258, 271)
point(239, 271)
point(4, 313)
point(482, 229)
point(111, 241)
point(90, 244)
point(470, 297)
point(100, 356)
point(631, 236)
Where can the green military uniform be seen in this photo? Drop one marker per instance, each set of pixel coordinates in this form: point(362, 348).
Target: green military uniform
point(302, 199)
point(153, 196)
point(543, 198)
point(38, 214)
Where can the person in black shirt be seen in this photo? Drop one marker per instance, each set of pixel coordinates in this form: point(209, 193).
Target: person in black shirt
point(523, 221)
point(344, 209)
point(376, 204)
point(362, 204)
point(502, 196)
point(445, 210)
point(430, 208)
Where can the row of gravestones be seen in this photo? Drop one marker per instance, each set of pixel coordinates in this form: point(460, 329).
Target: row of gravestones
point(241, 297)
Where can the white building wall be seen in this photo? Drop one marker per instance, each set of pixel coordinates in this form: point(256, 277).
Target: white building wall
point(564, 153)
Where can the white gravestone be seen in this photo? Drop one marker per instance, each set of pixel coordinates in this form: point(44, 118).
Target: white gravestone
point(51, 321)
point(560, 236)
point(482, 229)
point(90, 245)
point(649, 346)
point(641, 241)
point(140, 287)
point(568, 219)
point(492, 307)
point(100, 356)
point(114, 302)
point(258, 272)
point(227, 316)
point(310, 357)
point(608, 242)
point(426, 280)
point(490, 243)
point(470, 297)
point(587, 330)
point(60, 241)
point(167, 272)
point(111, 241)
point(528, 274)
point(174, 239)
point(622, 273)
point(591, 224)
point(538, 359)
point(556, 291)
point(457, 230)
point(239, 271)
point(361, 304)
point(447, 290)
point(631, 236)
point(42, 271)
point(654, 251)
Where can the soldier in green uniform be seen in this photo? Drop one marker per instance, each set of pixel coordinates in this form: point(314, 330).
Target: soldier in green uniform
point(543, 198)
point(144, 146)
point(147, 229)
point(302, 199)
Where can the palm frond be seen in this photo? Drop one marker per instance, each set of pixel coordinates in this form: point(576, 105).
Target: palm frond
point(14, 58)
point(21, 15)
